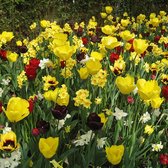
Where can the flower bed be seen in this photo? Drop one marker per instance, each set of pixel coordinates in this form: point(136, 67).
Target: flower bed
point(85, 95)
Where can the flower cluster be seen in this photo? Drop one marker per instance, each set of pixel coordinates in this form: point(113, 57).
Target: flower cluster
point(76, 92)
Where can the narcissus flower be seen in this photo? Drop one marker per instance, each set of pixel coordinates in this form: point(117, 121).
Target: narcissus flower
point(148, 90)
point(140, 46)
point(17, 109)
point(125, 84)
point(148, 129)
point(114, 154)
point(48, 147)
point(8, 141)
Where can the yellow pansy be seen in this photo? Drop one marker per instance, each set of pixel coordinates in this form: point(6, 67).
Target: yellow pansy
point(17, 109)
point(48, 147)
point(125, 84)
point(114, 154)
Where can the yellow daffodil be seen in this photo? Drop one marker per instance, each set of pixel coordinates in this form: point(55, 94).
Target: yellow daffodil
point(125, 84)
point(17, 109)
point(48, 147)
point(140, 45)
point(148, 129)
point(8, 141)
point(114, 154)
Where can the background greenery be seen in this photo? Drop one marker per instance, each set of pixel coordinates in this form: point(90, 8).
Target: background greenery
point(17, 15)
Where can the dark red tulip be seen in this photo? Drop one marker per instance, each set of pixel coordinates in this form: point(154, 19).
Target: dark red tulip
point(163, 159)
point(59, 112)
point(43, 126)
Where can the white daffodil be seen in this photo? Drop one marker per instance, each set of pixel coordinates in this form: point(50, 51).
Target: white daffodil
point(119, 114)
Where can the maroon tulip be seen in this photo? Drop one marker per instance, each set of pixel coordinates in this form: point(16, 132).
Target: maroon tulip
point(94, 122)
point(80, 56)
point(1, 107)
point(22, 49)
point(165, 91)
point(43, 126)
point(59, 112)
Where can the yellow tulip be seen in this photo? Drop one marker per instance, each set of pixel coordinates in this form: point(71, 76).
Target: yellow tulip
point(114, 154)
point(8, 141)
point(127, 35)
point(148, 90)
point(12, 57)
point(125, 22)
point(156, 102)
point(96, 55)
point(140, 45)
point(51, 95)
point(108, 29)
point(93, 66)
point(108, 9)
point(110, 42)
point(83, 73)
point(103, 15)
point(17, 109)
point(48, 147)
point(64, 52)
point(125, 84)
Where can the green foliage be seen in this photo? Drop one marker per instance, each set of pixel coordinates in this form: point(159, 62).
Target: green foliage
point(17, 15)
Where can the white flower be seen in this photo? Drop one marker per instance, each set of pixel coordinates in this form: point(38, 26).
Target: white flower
point(39, 96)
point(1, 91)
point(84, 139)
point(119, 114)
point(12, 161)
point(44, 62)
point(85, 60)
point(101, 142)
point(157, 147)
point(156, 112)
point(145, 118)
point(135, 90)
point(5, 82)
point(62, 122)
